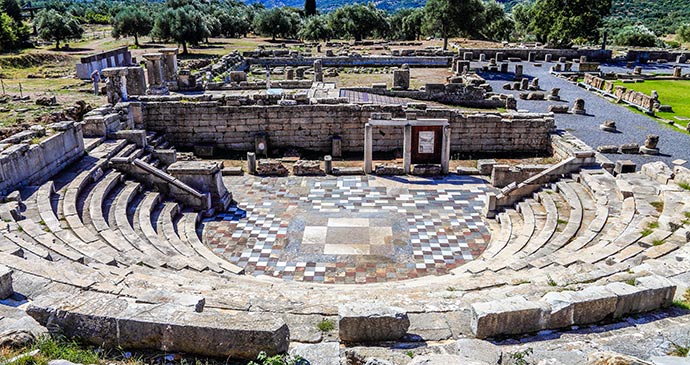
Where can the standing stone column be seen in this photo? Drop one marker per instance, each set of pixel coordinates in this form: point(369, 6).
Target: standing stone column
point(677, 72)
point(116, 84)
point(531, 57)
point(499, 57)
point(482, 57)
point(467, 56)
point(368, 145)
point(318, 71)
point(170, 67)
point(407, 148)
point(579, 106)
point(548, 57)
point(401, 78)
point(518, 72)
point(154, 72)
point(445, 150)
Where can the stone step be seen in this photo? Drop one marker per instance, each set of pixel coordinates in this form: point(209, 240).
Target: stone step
point(187, 229)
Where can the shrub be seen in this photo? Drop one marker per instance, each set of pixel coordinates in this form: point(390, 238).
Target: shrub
point(636, 36)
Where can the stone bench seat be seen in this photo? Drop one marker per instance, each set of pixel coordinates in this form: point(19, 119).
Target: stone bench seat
point(187, 228)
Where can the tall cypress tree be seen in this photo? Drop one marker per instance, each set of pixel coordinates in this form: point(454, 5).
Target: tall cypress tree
point(309, 7)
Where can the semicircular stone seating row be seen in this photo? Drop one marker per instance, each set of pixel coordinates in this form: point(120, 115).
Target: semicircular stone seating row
point(90, 229)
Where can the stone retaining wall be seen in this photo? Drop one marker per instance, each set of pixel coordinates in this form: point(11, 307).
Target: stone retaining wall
point(597, 55)
point(378, 61)
point(454, 94)
point(635, 98)
point(311, 127)
point(23, 164)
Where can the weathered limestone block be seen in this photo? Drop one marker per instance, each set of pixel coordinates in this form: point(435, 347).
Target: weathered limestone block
point(511, 103)
point(205, 177)
point(608, 126)
point(558, 109)
point(589, 305)
point(630, 148)
point(624, 167)
point(512, 315)
point(307, 168)
point(17, 329)
point(651, 293)
point(268, 167)
point(5, 282)
point(536, 95)
point(554, 94)
point(109, 321)
point(650, 145)
point(579, 107)
point(371, 322)
point(681, 175)
point(434, 359)
point(238, 76)
point(427, 170)
point(318, 71)
point(389, 170)
point(401, 78)
point(658, 171)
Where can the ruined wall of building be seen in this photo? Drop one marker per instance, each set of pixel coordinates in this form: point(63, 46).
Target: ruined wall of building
point(642, 100)
point(312, 127)
point(34, 160)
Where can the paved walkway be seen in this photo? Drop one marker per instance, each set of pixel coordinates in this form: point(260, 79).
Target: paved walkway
point(633, 127)
point(350, 229)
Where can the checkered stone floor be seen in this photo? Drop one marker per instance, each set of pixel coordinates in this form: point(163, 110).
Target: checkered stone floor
point(349, 229)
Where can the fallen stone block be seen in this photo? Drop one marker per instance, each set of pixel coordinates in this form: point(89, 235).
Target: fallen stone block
point(640, 299)
point(318, 354)
point(6, 289)
point(371, 322)
point(307, 168)
point(17, 329)
point(109, 321)
point(508, 316)
point(558, 109)
point(658, 171)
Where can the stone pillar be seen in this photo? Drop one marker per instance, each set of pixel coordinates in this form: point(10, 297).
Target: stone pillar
point(290, 74)
point(518, 72)
point(407, 148)
point(531, 57)
point(681, 59)
point(318, 71)
point(154, 72)
point(401, 78)
point(482, 57)
point(511, 103)
point(524, 84)
point(467, 56)
point(299, 73)
point(368, 145)
point(445, 150)
point(637, 70)
point(554, 94)
point(650, 145)
point(504, 68)
point(677, 72)
point(562, 59)
point(251, 163)
point(499, 57)
point(583, 59)
point(328, 164)
point(579, 107)
point(548, 57)
point(136, 81)
point(205, 177)
point(336, 146)
point(116, 84)
point(170, 66)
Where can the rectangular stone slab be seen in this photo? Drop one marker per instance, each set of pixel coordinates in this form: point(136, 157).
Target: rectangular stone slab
point(111, 321)
point(649, 293)
point(5, 282)
point(507, 316)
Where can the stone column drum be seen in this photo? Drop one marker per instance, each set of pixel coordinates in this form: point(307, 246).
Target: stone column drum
point(401, 78)
point(170, 66)
point(318, 71)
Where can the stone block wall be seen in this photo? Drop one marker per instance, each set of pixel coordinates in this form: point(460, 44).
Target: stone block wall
point(597, 55)
point(636, 98)
point(23, 164)
point(311, 127)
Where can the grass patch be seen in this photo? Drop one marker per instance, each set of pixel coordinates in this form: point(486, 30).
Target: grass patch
point(683, 185)
point(650, 229)
point(562, 221)
point(659, 206)
point(631, 281)
point(679, 350)
point(671, 92)
point(658, 242)
point(683, 303)
point(409, 354)
point(326, 325)
point(52, 348)
point(550, 281)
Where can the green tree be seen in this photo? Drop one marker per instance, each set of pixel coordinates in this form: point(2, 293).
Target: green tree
point(309, 7)
point(410, 24)
point(495, 24)
point(132, 21)
point(559, 23)
point(53, 26)
point(358, 21)
point(233, 21)
point(8, 33)
point(12, 8)
point(185, 25)
point(683, 33)
point(315, 28)
point(449, 18)
point(635, 36)
point(277, 22)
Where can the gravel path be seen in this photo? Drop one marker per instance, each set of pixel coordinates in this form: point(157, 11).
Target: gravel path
point(633, 127)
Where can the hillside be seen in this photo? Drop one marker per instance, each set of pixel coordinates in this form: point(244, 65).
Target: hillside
point(661, 16)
